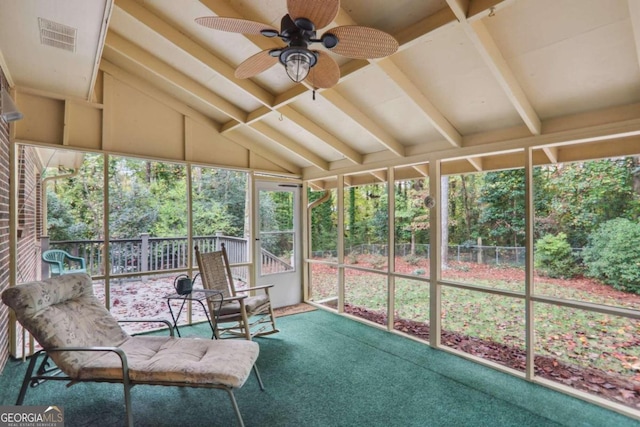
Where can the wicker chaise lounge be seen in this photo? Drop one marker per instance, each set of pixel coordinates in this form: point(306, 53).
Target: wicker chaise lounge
point(87, 344)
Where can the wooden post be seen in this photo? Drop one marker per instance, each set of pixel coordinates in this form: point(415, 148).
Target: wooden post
point(144, 255)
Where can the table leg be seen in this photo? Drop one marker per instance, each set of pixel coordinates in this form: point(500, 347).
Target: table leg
point(175, 318)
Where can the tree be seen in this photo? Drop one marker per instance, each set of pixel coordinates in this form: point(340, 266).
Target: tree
point(503, 215)
point(324, 225)
point(588, 194)
point(412, 217)
point(76, 203)
point(219, 202)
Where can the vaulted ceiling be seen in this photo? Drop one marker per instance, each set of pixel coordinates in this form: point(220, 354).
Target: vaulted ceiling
point(473, 83)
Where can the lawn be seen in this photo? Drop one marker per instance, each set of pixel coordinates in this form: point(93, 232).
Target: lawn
point(491, 326)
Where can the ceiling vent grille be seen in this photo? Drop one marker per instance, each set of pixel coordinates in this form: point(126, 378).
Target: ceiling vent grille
point(57, 35)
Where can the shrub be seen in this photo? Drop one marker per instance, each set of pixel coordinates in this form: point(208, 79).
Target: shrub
point(613, 255)
point(378, 261)
point(553, 257)
point(413, 259)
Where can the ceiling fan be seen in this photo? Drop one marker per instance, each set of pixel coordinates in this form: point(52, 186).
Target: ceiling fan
point(298, 30)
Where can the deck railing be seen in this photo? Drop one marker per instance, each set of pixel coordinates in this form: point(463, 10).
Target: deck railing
point(147, 253)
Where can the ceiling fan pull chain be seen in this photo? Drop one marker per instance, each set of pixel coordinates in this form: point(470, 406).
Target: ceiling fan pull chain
point(314, 93)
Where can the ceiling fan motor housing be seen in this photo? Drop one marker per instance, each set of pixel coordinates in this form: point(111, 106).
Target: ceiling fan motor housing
point(298, 36)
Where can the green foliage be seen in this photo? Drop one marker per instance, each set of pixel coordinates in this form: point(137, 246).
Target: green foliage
point(613, 254)
point(588, 194)
point(219, 202)
point(503, 215)
point(554, 258)
point(465, 207)
point(61, 222)
point(366, 215)
point(412, 217)
point(145, 197)
point(75, 204)
point(324, 222)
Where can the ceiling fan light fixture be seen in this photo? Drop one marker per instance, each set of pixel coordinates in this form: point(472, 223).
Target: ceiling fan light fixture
point(298, 62)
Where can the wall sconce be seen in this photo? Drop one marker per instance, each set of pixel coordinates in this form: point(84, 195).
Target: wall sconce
point(10, 112)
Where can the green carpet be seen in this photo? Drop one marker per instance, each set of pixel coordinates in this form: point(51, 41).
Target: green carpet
point(325, 370)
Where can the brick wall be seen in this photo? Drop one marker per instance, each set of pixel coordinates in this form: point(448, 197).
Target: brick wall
point(28, 200)
point(29, 221)
point(4, 232)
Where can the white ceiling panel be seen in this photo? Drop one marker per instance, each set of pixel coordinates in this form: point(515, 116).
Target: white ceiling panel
point(451, 74)
point(34, 65)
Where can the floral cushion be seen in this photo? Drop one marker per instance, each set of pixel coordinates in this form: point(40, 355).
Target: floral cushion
point(178, 360)
point(63, 312)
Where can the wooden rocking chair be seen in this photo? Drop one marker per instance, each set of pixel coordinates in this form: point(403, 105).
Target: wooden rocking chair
point(241, 315)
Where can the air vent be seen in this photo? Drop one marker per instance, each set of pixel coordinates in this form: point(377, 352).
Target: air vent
point(57, 35)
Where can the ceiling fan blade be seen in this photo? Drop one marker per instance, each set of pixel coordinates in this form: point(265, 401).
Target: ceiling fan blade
point(255, 64)
point(234, 25)
point(320, 12)
point(359, 42)
point(325, 73)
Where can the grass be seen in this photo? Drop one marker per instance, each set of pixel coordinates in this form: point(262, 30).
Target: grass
point(571, 335)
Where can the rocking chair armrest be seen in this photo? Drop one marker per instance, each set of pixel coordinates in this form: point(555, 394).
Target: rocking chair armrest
point(143, 320)
point(236, 298)
point(257, 288)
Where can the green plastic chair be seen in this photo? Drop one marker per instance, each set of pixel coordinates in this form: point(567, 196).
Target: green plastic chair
point(61, 262)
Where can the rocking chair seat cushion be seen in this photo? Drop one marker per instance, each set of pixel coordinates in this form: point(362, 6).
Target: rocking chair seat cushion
point(172, 360)
point(252, 304)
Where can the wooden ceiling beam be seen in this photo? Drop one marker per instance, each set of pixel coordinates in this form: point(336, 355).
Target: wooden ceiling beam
point(634, 13)
point(478, 9)
point(429, 26)
point(431, 113)
point(476, 162)
point(118, 45)
point(289, 144)
point(365, 122)
point(551, 153)
point(223, 8)
point(380, 175)
point(583, 128)
point(238, 117)
point(317, 130)
point(408, 36)
point(485, 45)
point(422, 169)
point(153, 92)
point(188, 45)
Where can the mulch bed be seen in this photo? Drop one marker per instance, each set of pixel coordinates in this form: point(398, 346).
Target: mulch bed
point(609, 386)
